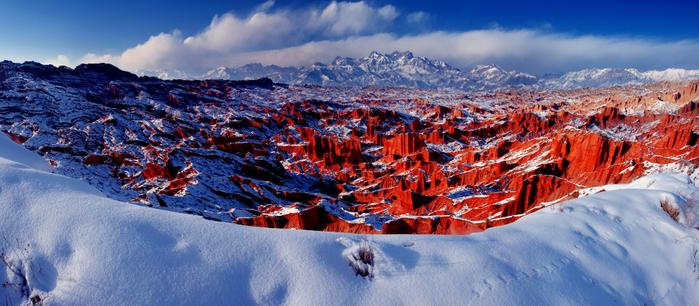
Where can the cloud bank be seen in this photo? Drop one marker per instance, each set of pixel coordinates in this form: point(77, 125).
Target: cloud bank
point(313, 34)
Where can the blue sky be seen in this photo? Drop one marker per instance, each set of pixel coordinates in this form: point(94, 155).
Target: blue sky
point(103, 30)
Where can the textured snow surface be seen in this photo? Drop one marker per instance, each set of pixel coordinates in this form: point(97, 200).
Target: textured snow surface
point(17, 153)
point(76, 247)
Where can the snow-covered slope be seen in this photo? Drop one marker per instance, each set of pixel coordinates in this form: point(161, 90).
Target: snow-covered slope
point(494, 76)
point(65, 244)
point(606, 77)
point(672, 74)
point(595, 78)
point(11, 151)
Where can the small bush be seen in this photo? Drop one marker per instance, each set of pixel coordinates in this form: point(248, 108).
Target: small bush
point(18, 266)
point(361, 259)
point(19, 281)
point(670, 209)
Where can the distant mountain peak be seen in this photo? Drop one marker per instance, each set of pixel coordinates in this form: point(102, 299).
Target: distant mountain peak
point(486, 67)
point(404, 69)
point(404, 54)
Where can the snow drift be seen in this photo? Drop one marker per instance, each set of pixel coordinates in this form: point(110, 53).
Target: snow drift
point(63, 243)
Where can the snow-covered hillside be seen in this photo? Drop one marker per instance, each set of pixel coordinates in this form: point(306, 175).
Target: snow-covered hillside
point(606, 77)
point(65, 244)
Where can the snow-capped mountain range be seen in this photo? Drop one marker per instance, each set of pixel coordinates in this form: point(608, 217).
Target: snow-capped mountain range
point(605, 77)
point(397, 69)
point(403, 69)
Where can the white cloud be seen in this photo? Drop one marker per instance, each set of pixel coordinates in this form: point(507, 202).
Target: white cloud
point(417, 17)
point(300, 37)
point(228, 35)
point(265, 6)
point(526, 50)
point(95, 58)
point(60, 60)
point(354, 17)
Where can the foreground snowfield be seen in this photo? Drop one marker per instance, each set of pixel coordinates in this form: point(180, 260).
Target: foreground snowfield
point(74, 246)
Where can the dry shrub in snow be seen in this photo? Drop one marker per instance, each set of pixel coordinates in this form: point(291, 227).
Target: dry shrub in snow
point(361, 257)
point(18, 266)
point(17, 279)
point(670, 209)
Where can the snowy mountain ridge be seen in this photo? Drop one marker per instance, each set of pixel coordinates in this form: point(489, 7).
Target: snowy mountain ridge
point(606, 77)
point(397, 69)
point(404, 69)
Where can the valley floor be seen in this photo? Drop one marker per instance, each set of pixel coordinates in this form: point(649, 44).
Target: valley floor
point(63, 243)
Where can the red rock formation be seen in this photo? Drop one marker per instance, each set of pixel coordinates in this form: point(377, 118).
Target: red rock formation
point(95, 159)
point(18, 139)
point(454, 164)
point(313, 218)
point(592, 159)
point(403, 144)
point(432, 225)
point(538, 189)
